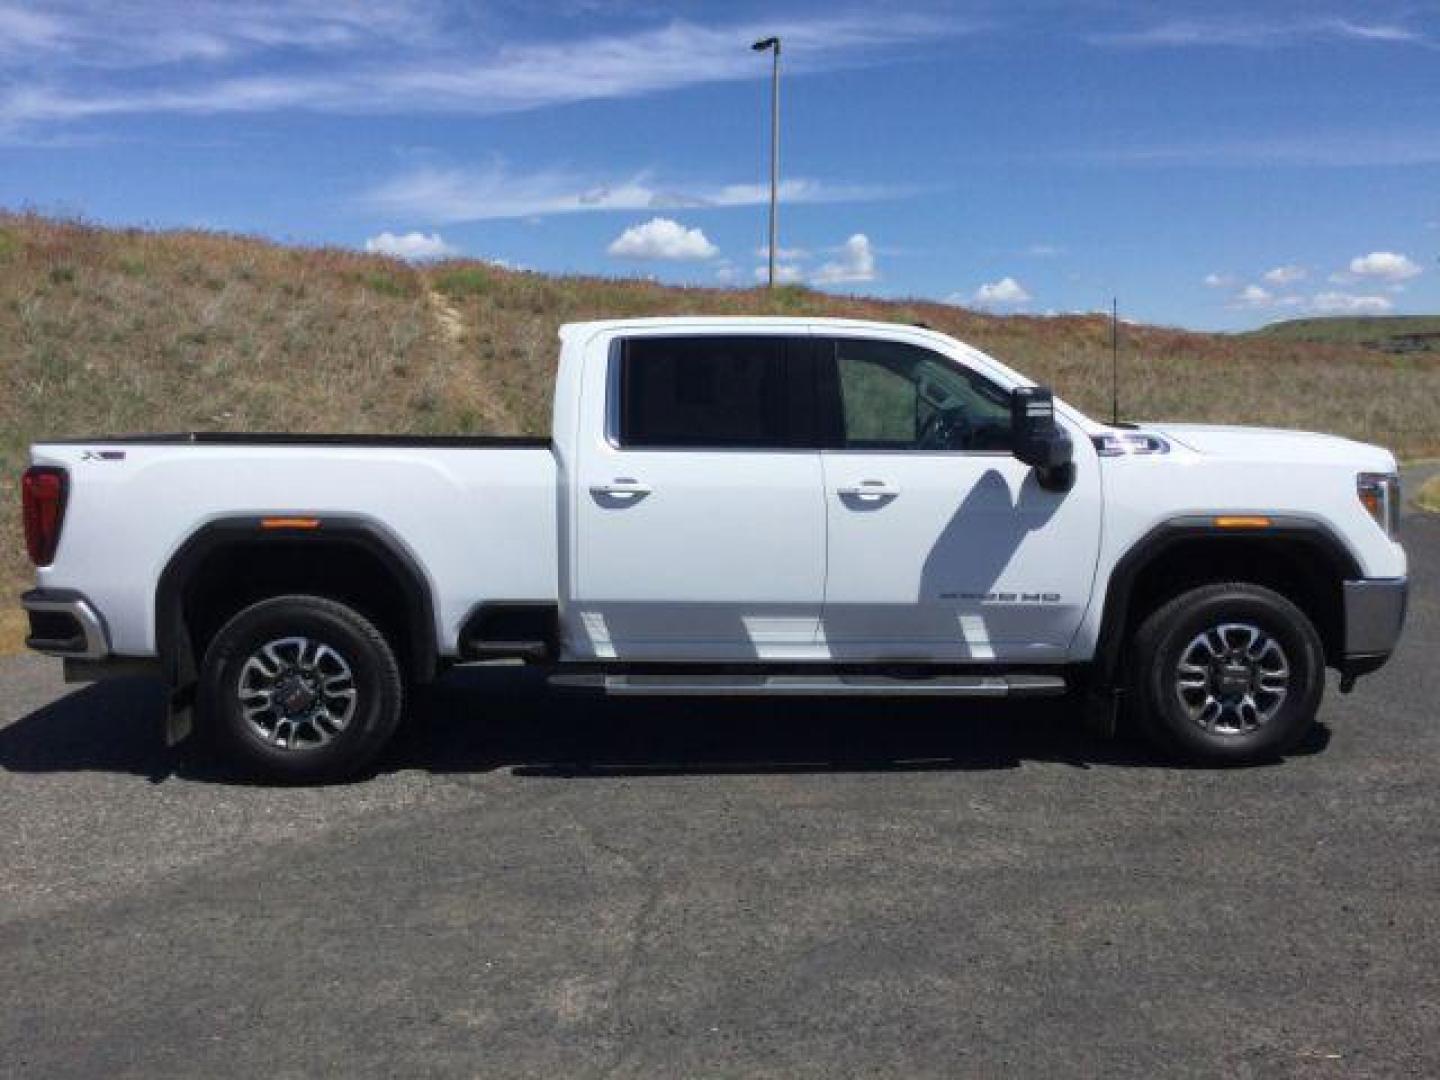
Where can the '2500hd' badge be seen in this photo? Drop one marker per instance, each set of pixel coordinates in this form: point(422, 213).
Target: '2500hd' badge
point(1005, 597)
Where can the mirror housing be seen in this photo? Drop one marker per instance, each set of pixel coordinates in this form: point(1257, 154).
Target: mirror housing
point(1037, 439)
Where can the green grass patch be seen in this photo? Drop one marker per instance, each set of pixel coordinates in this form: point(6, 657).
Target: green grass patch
point(386, 284)
point(461, 281)
point(790, 299)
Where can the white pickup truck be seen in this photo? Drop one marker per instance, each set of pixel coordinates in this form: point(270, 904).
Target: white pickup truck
point(731, 507)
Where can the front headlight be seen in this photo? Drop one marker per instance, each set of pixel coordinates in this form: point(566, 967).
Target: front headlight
point(1380, 495)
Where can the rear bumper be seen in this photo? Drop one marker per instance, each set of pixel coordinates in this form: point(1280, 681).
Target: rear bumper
point(64, 623)
point(1374, 616)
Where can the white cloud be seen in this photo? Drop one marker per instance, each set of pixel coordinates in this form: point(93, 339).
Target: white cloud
point(415, 246)
point(663, 238)
point(77, 38)
point(1044, 251)
point(1248, 32)
point(782, 253)
point(1286, 275)
point(785, 274)
point(1007, 292)
point(1258, 298)
point(373, 57)
point(1373, 31)
point(1385, 265)
point(856, 264)
point(24, 30)
point(494, 192)
point(1338, 303)
point(1220, 281)
point(1253, 296)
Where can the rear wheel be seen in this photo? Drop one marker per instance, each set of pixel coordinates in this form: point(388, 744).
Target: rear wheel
point(300, 688)
point(1227, 673)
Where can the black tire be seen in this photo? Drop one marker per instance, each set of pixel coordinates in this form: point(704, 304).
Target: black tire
point(1168, 716)
point(320, 747)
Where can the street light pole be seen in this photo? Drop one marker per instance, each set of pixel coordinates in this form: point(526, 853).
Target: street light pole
point(772, 44)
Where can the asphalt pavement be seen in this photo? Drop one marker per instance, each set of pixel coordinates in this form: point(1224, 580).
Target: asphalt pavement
point(545, 885)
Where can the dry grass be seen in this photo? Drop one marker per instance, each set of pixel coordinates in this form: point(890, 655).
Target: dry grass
point(113, 331)
point(1428, 497)
point(13, 627)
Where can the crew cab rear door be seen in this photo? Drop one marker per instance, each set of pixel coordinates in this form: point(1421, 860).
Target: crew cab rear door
point(699, 520)
point(941, 545)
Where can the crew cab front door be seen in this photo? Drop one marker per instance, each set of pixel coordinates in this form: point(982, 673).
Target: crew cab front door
point(700, 518)
point(941, 545)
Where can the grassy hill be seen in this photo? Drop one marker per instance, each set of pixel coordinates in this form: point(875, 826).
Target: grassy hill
point(1400, 334)
point(124, 330)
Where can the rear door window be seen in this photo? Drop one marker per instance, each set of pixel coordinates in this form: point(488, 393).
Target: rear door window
point(717, 392)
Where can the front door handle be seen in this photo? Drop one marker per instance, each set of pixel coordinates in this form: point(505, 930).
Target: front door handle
point(623, 487)
point(872, 489)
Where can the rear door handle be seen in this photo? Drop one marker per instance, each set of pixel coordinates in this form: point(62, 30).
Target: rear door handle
point(875, 489)
point(623, 487)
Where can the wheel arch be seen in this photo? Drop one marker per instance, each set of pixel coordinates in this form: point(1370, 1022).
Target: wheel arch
point(1300, 557)
point(344, 558)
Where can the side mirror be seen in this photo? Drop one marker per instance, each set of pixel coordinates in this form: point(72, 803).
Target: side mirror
point(1037, 439)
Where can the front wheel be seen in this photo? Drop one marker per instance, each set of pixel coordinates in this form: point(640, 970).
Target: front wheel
point(300, 688)
point(1229, 673)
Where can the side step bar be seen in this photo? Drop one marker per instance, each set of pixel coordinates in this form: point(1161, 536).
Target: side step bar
point(532, 652)
point(961, 686)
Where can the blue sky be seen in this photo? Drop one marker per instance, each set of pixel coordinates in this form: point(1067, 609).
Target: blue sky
point(1214, 164)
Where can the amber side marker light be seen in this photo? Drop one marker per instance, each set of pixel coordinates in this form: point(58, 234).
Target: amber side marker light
point(289, 523)
point(1242, 522)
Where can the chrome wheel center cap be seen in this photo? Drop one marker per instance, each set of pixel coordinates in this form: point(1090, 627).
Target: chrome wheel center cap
point(295, 696)
point(1233, 680)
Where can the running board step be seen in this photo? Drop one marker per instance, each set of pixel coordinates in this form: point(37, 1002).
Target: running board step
point(529, 651)
point(963, 686)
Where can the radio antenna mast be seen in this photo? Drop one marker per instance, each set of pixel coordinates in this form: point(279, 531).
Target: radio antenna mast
point(1115, 360)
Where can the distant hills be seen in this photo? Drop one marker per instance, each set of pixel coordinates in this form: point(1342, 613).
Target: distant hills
point(1399, 334)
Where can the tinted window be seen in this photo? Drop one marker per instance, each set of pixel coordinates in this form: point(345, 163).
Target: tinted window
point(895, 396)
point(728, 392)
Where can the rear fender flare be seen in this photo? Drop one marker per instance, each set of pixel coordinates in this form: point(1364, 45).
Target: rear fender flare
point(173, 644)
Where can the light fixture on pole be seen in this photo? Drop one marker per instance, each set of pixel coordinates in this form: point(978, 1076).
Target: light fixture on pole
point(772, 44)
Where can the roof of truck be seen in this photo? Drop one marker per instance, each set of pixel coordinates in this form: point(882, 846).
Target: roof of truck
point(742, 320)
point(574, 330)
point(580, 331)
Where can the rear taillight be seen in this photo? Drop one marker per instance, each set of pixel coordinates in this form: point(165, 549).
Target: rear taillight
point(43, 489)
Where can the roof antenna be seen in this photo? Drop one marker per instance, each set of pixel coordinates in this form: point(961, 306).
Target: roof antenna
point(1115, 361)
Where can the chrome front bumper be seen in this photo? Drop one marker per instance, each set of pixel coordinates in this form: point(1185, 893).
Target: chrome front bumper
point(64, 623)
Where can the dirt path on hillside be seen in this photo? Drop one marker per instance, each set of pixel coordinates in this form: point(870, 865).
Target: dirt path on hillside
point(447, 318)
point(465, 376)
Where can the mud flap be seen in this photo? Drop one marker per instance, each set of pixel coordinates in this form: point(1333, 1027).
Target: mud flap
point(1102, 713)
point(180, 715)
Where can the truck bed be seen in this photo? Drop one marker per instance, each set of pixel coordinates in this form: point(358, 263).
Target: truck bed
point(477, 514)
point(268, 438)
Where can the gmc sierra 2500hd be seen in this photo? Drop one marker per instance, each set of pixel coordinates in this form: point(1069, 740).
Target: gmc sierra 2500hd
point(729, 506)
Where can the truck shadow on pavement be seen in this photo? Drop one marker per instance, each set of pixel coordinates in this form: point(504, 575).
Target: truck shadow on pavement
point(479, 720)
